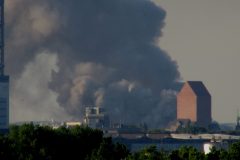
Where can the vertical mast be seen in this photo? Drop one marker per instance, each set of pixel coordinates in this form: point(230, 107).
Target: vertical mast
point(238, 117)
point(1, 37)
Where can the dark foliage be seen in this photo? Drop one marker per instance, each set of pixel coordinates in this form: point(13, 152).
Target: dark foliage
point(33, 142)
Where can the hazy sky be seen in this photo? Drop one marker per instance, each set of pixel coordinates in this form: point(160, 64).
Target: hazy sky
point(203, 36)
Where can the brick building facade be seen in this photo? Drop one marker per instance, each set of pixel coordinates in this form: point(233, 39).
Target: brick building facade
point(194, 103)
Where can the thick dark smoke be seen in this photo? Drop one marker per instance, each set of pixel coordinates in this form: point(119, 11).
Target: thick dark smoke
point(106, 54)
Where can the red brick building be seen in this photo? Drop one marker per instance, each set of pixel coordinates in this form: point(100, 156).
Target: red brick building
point(194, 103)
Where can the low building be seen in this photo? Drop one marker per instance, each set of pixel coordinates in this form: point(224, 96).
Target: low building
point(167, 144)
point(73, 124)
point(202, 142)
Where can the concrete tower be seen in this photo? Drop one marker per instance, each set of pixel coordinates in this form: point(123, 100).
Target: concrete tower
point(4, 80)
point(194, 103)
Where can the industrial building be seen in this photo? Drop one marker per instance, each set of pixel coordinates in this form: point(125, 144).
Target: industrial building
point(194, 103)
point(95, 117)
point(4, 80)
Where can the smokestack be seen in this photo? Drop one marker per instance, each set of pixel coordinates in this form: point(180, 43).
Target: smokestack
point(106, 54)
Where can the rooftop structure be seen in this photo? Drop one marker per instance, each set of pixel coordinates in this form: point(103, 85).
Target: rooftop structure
point(194, 103)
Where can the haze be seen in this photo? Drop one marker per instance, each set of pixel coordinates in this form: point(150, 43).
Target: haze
point(203, 37)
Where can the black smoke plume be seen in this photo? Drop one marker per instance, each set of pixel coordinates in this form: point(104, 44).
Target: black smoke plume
point(106, 54)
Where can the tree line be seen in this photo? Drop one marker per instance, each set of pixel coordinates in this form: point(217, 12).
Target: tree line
point(33, 142)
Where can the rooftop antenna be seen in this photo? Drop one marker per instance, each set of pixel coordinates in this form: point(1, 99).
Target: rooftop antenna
point(238, 117)
point(1, 37)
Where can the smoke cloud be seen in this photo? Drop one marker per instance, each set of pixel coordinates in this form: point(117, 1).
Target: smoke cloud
point(106, 55)
point(31, 97)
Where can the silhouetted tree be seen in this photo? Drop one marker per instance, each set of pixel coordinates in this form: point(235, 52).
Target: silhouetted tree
point(109, 151)
point(149, 153)
point(33, 142)
point(234, 151)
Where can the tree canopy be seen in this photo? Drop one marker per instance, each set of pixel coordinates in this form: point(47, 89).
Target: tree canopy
point(33, 142)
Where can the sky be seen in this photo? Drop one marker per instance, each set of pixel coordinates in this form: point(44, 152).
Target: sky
point(203, 36)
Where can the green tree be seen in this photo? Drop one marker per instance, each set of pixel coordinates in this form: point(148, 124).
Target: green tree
point(34, 142)
point(224, 155)
point(149, 153)
point(234, 151)
point(5, 148)
point(190, 153)
point(213, 155)
point(109, 151)
point(174, 155)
